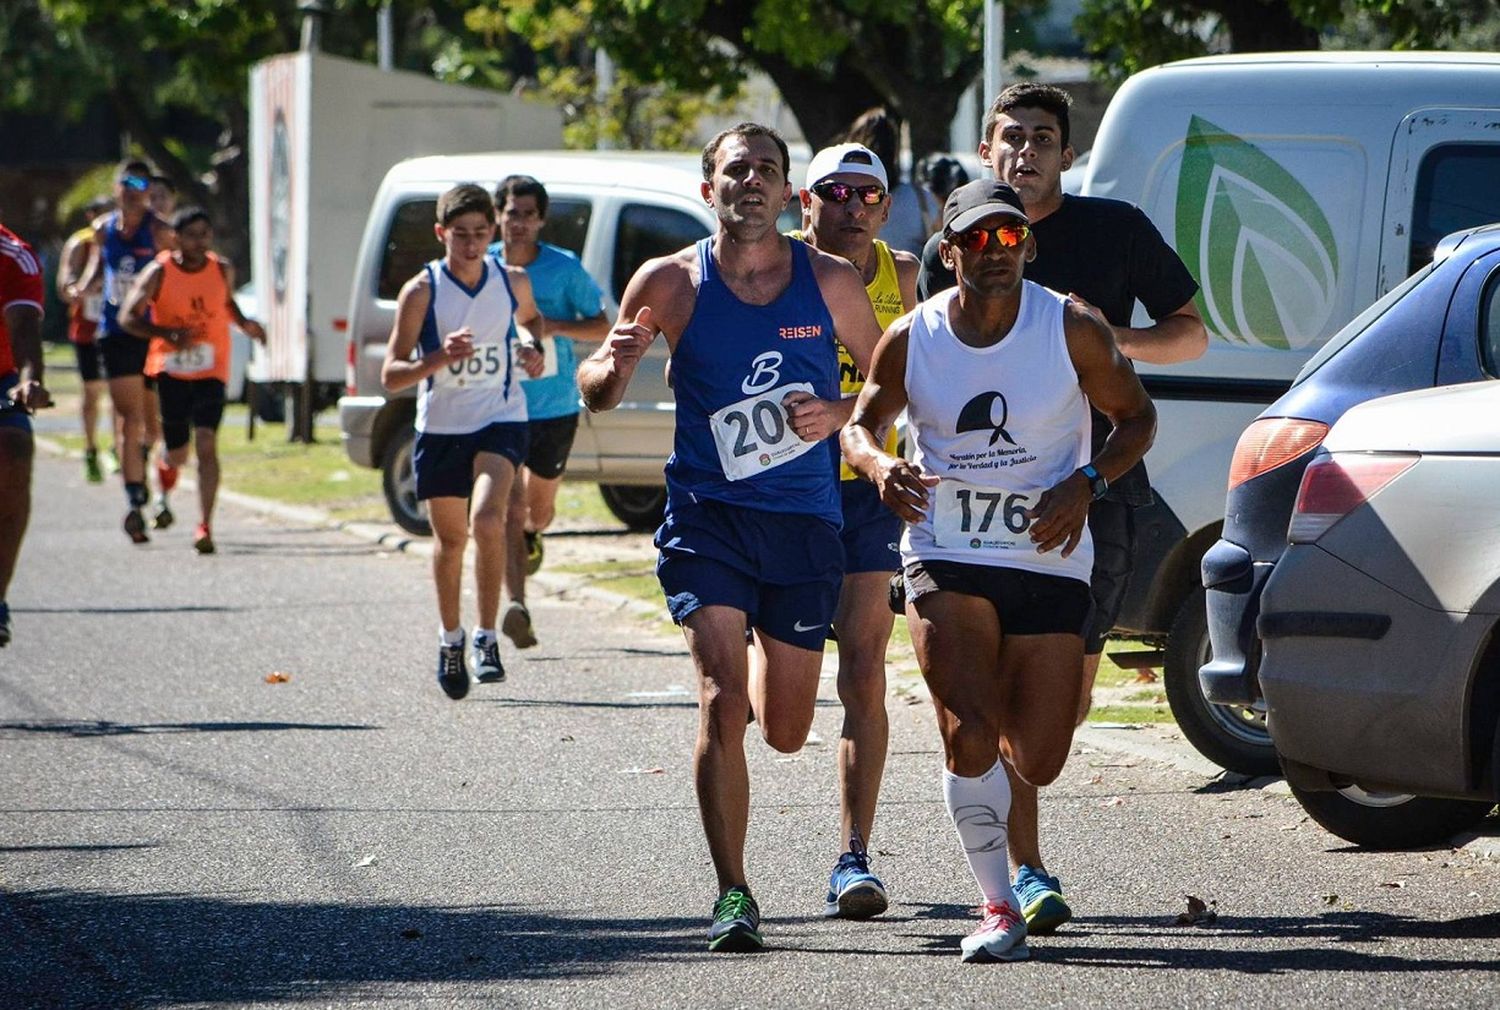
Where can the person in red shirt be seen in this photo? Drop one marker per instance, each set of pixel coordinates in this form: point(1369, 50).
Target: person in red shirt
point(84, 307)
point(21, 392)
point(183, 303)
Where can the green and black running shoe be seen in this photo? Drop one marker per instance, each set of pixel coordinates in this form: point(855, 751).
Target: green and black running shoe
point(736, 925)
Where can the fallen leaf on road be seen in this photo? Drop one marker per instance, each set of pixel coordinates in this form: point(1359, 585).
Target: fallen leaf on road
point(1113, 801)
point(1330, 899)
point(1393, 883)
point(410, 934)
point(1096, 780)
point(366, 860)
point(642, 771)
point(1199, 912)
point(277, 677)
point(565, 738)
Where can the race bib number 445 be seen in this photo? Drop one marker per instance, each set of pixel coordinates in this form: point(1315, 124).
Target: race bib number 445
point(754, 435)
point(485, 368)
point(967, 517)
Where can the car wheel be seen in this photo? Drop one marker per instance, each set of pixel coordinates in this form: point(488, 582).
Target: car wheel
point(1231, 736)
point(1390, 820)
point(639, 507)
point(399, 481)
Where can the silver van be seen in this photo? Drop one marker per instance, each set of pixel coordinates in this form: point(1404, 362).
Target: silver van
point(615, 210)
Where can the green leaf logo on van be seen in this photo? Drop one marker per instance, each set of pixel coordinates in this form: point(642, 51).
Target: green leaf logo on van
point(1258, 243)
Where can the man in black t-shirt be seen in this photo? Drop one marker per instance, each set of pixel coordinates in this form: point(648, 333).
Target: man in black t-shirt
point(1105, 254)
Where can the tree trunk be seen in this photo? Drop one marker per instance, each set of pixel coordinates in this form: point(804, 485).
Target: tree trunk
point(1258, 26)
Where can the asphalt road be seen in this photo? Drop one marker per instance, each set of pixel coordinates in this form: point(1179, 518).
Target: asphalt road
point(176, 831)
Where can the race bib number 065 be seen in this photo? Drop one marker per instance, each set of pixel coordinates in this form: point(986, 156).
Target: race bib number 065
point(966, 517)
point(754, 435)
point(483, 369)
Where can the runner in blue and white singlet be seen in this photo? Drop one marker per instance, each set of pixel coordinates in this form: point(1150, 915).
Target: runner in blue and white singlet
point(749, 547)
point(464, 396)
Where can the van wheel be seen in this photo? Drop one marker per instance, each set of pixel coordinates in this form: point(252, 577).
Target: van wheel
point(1390, 820)
point(399, 481)
point(1232, 736)
point(639, 507)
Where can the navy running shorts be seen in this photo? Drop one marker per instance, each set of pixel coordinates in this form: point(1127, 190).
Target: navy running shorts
point(1112, 527)
point(124, 355)
point(1027, 603)
point(551, 440)
point(444, 464)
point(783, 569)
point(90, 361)
point(871, 533)
point(186, 404)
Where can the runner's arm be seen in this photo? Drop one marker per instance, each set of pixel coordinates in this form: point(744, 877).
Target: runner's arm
point(902, 486)
point(24, 321)
point(1176, 337)
point(252, 328)
point(95, 265)
point(399, 371)
point(72, 264)
point(907, 269)
point(529, 348)
point(138, 302)
point(1111, 385)
point(651, 299)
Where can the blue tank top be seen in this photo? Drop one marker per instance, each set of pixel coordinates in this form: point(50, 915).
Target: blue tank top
point(732, 366)
point(124, 257)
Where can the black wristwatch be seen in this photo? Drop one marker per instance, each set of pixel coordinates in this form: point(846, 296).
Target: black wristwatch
point(1097, 484)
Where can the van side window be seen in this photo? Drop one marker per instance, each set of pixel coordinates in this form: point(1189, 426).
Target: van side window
point(1458, 186)
point(1489, 326)
point(646, 232)
point(567, 223)
point(408, 244)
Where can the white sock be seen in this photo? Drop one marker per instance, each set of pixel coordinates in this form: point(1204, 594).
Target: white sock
point(454, 637)
point(484, 635)
point(980, 809)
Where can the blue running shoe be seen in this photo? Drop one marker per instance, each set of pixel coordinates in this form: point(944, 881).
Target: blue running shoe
point(1041, 899)
point(452, 674)
point(853, 891)
point(736, 925)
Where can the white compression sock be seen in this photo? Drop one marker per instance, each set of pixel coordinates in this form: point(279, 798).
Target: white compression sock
point(980, 809)
point(484, 634)
point(454, 637)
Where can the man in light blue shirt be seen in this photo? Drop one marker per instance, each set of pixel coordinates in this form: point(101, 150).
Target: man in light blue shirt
point(573, 307)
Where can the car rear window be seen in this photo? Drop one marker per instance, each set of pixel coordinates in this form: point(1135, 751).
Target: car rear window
point(1361, 322)
point(567, 223)
point(646, 232)
point(408, 244)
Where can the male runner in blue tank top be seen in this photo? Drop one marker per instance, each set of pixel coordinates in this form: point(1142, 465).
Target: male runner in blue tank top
point(750, 540)
point(996, 379)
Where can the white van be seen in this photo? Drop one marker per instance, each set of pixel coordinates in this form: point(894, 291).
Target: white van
point(1297, 188)
point(615, 210)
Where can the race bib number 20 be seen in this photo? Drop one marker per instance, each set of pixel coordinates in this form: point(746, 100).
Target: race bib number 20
point(966, 517)
point(754, 435)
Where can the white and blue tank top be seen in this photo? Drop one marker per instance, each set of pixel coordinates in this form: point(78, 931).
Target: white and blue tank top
point(124, 256)
point(465, 396)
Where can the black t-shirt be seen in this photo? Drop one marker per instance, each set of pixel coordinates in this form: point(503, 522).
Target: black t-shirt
point(1110, 254)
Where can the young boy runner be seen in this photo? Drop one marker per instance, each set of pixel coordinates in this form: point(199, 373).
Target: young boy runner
point(184, 302)
point(845, 202)
point(460, 313)
point(574, 308)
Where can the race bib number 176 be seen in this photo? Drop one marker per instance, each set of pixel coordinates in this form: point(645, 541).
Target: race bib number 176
point(966, 517)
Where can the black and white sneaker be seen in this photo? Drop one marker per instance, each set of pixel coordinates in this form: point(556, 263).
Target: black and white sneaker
point(487, 666)
point(452, 674)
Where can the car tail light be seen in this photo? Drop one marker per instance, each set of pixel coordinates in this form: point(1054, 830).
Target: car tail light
point(1270, 442)
point(351, 378)
point(1336, 485)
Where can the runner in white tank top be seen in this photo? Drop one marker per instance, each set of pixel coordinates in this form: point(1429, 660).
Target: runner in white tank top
point(996, 498)
point(455, 338)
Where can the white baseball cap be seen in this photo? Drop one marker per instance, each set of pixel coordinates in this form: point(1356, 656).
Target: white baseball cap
point(855, 158)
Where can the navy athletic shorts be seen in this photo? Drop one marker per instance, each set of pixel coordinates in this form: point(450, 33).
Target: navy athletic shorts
point(444, 464)
point(124, 354)
point(871, 533)
point(12, 415)
point(551, 440)
point(783, 569)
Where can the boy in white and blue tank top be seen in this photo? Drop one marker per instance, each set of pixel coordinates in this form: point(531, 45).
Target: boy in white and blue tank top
point(459, 315)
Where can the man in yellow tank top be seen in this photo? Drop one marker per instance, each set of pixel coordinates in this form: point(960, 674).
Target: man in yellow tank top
point(183, 302)
point(844, 205)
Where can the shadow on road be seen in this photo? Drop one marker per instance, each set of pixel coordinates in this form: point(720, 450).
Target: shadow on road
point(105, 727)
point(126, 610)
point(81, 949)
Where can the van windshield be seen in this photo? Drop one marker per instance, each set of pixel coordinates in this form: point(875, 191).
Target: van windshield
point(1361, 322)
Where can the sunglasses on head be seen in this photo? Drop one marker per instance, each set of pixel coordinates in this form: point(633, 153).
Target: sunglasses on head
point(841, 192)
point(136, 182)
point(973, 240)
